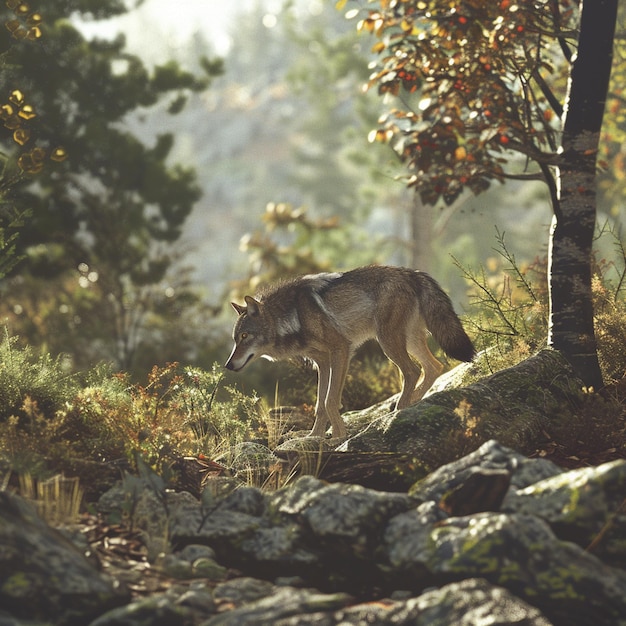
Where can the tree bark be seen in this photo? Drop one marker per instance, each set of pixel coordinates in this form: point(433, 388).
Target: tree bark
point(421, 226)
point(571, 237)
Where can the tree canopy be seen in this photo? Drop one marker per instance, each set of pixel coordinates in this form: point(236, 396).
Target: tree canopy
point(470, 83)
point(115, 204)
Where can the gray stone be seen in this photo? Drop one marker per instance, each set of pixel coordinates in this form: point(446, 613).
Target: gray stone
point(283, 602)
point(198, 601)
point(155, 610)
point(192, 552)
point(489, 456)
point(208, 568)
point(468, 603)
point(248, 500)
point(43, 576)
point(241, 591)
point(215, 527)
point(518, 552)
point(586, 506)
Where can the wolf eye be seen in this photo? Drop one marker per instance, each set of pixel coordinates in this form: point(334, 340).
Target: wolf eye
point(244, 335)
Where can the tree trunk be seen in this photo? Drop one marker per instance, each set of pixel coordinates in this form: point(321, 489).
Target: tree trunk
point(421, 234)
point(571, 304)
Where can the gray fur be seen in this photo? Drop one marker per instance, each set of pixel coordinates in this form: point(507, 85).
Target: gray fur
point(325, 317)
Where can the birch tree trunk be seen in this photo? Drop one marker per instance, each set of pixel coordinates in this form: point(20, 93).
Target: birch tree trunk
point(571, 305)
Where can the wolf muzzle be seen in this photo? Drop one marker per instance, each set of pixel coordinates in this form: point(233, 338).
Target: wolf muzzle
point(229, 365)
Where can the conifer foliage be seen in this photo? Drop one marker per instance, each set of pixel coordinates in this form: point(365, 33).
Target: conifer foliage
point(104, 216)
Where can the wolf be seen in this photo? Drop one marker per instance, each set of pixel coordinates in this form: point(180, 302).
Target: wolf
point(325, 317)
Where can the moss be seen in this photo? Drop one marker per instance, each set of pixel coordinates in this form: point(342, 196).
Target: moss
point(561, 583)
point(17, 585)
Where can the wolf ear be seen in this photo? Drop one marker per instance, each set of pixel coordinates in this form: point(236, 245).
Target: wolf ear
point(253, 306)
point(240, 309)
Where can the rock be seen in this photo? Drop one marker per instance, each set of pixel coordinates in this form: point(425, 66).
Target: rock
point(510, 406)
point(174, 567)
point(284, 602)
point(152, 611)
point(249, 461)
point(587, 506)
point(383, 471)
point(152, 510)
point(248, 500)
point(340, 525)
point(518, 552)
point(474, 601)
point(43, 576)
point(192, 552)
point(240, 591)
point(183, 566)
point(467, 603)
point(491, 456)
point(209, 569)
point(490, 538)
point(219, 529)
point(482, 490)
point(198, 601)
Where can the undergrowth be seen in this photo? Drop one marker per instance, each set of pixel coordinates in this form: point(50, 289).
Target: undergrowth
point(99, 424)
point(59, 424)
point(509, 306)
point(509, 322)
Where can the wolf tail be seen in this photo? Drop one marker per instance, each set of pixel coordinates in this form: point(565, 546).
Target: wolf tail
point(441, 320)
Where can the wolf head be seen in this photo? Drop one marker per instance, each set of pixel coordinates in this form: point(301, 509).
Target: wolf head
point(248, 334)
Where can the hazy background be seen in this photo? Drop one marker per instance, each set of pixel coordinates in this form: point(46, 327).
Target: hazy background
point(250, 134)
point(266, 168)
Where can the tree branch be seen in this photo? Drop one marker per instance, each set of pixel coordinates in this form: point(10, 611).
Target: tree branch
point(557, 107)
point(556, 12)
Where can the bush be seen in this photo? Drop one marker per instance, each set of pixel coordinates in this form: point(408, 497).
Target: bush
point(53, 422)
point(40, 379)
point(510, 310)
point(179, 412)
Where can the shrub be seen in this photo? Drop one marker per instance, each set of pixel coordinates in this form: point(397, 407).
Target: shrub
point(180, 411)
point(52, 422)
point(24, 374)
point(510, 310)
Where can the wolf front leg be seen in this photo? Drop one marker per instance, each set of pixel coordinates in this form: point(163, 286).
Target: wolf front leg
point(332, 368)
point(322, 364)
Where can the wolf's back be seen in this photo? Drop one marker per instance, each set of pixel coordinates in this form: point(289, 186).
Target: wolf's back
point(441, 320)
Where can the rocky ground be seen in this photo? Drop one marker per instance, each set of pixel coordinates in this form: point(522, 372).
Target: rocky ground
point(494, 537)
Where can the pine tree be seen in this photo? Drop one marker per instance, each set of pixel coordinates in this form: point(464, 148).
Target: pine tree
point(99, 240)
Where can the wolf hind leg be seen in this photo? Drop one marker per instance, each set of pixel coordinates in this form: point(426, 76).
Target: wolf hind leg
point(431, 367)
point(394, 346)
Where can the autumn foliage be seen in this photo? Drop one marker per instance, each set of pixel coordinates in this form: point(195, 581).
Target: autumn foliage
point(470, 82)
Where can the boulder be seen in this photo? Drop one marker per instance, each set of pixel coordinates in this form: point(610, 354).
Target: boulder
point(511, 406)
point(587, 506)
point(467, 603)
point(43, 575)
point(493, 537)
